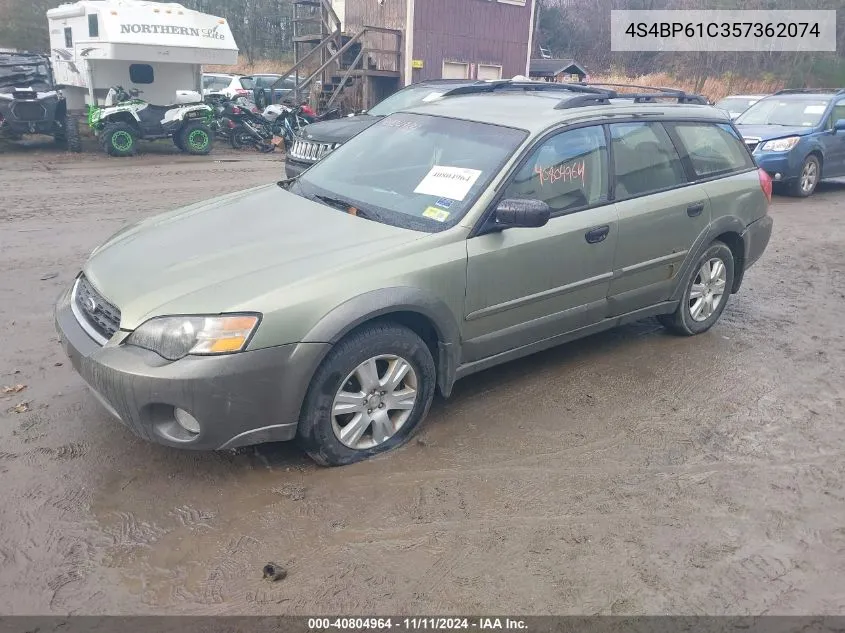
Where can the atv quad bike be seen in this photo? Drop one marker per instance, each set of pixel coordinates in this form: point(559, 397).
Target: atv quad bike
point(30, 102)
point(125, 119)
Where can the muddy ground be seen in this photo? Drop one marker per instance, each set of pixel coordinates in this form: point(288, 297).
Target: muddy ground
point(631, 472)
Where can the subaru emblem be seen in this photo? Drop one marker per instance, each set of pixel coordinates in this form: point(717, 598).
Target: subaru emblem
point(91, 305)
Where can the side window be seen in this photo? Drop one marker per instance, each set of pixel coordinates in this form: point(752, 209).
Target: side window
point(93, 25)
point(838, 113)
point(68, 37)
point(141, 74)
point(644, 159)
point(712, 148)
point(568, 171)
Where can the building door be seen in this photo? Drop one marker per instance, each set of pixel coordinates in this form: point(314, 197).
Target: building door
point(455, 70)
point(489, 72)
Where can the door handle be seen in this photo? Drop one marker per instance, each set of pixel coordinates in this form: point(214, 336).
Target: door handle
point(594, 236)
point(694, 210)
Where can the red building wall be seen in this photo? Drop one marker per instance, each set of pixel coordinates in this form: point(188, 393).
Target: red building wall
point(473, 32)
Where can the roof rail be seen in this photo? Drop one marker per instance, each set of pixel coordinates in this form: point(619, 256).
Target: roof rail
point(508, 84)
point(648, 97)
point(798, 91)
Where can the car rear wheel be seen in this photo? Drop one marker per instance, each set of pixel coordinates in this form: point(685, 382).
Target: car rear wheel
point(706, 294)
point(368, 396)
point(119, 139)
point(807, 182)
point(67, 134)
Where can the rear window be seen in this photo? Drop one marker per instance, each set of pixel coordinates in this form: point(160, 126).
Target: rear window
point(712, 149)
point(215, 83)
point(247, 83)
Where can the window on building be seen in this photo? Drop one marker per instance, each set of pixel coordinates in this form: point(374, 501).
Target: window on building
point(455, 70)
point(644, 159)
point(568, 171)
point(141, 74)
point(68, 37)
point(93, 25)
point(712, 149)
point(489, 71)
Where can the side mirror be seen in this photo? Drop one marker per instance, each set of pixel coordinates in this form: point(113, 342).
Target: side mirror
point(839, 125)
point(522, 213)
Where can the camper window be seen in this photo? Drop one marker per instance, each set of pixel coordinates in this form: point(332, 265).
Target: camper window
point(141, 74)
point(93, 25)
point(68, 37)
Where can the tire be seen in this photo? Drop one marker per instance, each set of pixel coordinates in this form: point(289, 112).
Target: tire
point(687, 320)
point(319, 432)
point(119, 139)
point(177, 141)
point(240, 137)
point(73, 142)
point(806, 183)
point(196, 138)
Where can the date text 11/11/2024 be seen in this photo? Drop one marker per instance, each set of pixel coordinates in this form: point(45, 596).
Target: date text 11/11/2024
point(417, 624)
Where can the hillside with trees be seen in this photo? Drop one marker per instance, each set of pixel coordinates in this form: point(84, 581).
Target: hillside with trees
point(568, 28)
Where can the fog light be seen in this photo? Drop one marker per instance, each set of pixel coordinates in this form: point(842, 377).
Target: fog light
point(187, 421)
point(778, 176)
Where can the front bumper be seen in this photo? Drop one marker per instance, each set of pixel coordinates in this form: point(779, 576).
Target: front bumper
point(239, 399)
point(787, 164)
point(294, 168)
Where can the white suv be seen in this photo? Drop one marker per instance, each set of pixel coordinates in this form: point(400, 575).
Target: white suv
point(229, 85)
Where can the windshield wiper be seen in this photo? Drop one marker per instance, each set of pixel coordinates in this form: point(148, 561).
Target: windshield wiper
point(343, 205)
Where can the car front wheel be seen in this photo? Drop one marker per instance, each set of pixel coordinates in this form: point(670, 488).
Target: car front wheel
point(368, 396)
point(706, 293)
point(807, 182)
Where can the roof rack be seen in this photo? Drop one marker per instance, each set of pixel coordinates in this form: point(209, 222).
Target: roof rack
point(531, 86)
point(798, 91)
point(585, 94)
point(649, 97)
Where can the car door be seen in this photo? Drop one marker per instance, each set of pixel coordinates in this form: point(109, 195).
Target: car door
point(529, 284)
point(661, 214)
point(834, 143)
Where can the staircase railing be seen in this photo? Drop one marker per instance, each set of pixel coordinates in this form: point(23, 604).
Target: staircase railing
point(337, 56)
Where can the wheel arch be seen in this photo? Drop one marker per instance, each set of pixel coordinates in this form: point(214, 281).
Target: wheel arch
point(728, 229)
point(424, 314)
point(121, 117)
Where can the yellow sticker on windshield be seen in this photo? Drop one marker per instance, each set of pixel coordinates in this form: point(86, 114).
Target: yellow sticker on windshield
point(436, 214)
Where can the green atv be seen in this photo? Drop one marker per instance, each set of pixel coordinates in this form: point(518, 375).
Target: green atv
point(125, 119)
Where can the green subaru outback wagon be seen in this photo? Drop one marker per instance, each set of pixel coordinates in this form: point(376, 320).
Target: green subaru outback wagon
point(441, 241)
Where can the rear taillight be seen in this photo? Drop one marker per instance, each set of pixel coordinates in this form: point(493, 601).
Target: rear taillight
point(765, 184)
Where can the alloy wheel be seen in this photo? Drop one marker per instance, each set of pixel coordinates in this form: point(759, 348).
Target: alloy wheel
point(707, 289)
point(374, 402)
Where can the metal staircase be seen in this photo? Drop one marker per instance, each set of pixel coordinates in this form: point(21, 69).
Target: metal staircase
point(339, 60)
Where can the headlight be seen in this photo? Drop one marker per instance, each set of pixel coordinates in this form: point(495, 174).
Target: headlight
point(781, 144)
point(176, 337)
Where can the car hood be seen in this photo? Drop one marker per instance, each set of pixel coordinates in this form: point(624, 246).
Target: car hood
point(338, 130)
point(766, 132)
point(225, 254)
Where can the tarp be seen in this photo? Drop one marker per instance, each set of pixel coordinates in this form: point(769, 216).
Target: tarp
point(24, 70)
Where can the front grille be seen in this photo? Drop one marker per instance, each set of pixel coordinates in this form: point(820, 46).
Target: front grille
point(309, 151)
point(29, 111)
point(751, 143)
point(93, 311)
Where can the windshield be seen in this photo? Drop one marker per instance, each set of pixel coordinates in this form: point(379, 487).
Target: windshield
point(407, 98)
point(735, 104)
point(787, 112)
point(416, 171)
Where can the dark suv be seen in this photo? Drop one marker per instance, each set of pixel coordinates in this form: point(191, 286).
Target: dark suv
point(318, 139)
point(30, 103)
